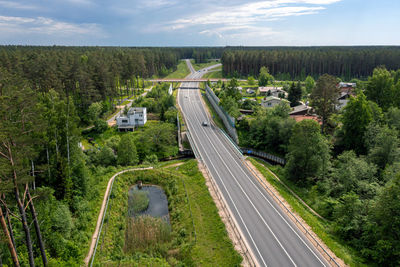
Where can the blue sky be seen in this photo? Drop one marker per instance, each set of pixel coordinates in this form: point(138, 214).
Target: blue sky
point(200, 23)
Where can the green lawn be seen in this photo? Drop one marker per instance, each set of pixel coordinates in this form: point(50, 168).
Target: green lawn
point(192, 210)
point(214, 75)
point(181, 72)
point(319, 226)
point(199, 66)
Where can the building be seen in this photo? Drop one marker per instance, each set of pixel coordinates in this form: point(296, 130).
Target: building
point(272, 91)
point(302, 109)
point(134, 118)
point(343, 99)
point(299, 118)
point(347, 87)
point(272, 101)
point(250, 91)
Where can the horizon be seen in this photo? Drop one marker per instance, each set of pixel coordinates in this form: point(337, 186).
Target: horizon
point(211, 23)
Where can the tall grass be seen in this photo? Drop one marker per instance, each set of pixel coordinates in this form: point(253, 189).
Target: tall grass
point(137, 201)
point(143, 232)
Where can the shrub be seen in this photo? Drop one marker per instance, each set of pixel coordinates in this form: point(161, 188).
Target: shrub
point(138, 201)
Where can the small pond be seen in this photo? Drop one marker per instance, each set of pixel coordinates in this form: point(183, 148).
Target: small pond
point(158, 203)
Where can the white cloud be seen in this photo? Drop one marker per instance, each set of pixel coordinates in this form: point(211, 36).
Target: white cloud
point(45, 26)
point(16, 5)
point(244, 20)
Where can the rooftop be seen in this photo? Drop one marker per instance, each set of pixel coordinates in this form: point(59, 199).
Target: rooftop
point(269, 88)
point(269, 98)
point(136, 110)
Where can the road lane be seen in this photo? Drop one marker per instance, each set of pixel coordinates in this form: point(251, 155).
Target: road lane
point(272, 237)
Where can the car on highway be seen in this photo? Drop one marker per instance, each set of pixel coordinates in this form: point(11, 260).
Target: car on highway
point(204, 123)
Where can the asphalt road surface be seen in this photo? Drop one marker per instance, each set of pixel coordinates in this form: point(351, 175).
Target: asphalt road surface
point(272, 237)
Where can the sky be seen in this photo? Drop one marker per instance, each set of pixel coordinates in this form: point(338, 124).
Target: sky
point(199, 23)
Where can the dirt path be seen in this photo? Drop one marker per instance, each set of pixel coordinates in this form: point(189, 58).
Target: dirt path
point(102, 210)
point(174, 165)
point(111, 121)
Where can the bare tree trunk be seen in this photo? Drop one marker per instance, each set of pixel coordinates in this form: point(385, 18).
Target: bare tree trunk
point(10, 227)
point(37, 228)
point(22, 211)
point(10, 244)
point(48, 162)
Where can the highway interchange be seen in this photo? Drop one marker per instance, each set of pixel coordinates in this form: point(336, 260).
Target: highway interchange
point(272, 237)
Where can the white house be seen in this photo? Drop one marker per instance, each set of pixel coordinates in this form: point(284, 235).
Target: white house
point(272, 91)
point(134, 118)
point(272, 101)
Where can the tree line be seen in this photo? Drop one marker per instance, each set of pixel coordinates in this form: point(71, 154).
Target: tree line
point(93, 74)
point(296, 63)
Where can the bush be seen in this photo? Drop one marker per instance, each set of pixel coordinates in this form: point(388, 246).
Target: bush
point(138, 201)
point(100, 126)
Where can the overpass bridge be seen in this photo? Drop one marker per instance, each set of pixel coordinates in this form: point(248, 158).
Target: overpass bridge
point(182, 80)
point(187, 83)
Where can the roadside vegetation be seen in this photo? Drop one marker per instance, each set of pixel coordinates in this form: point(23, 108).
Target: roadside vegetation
point(192, 241)
point(199, 66)
point(343, 162)
point(215, 74)
point(347, 169)
point(181, 71)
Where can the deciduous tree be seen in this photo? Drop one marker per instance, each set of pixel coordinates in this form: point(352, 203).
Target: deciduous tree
point(309, 153)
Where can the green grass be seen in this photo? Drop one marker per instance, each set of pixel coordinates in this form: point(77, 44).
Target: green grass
point(181, 72)
point(213, 246)
point(214, 75)
point(199, 66)
point(97, 183)
point(217, 120)
point(320, 227)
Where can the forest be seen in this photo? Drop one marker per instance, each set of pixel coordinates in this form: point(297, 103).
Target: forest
point(50, 96)
point(346, 165)
point(296, 63)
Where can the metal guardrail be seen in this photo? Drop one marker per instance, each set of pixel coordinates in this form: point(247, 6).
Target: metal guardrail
point(331, 259)
point(105, 210)
point(238, 235)
point(264, 155)
point(222, 201)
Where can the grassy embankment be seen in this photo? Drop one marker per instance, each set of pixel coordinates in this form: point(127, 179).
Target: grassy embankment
point(199, 66)
point(181, 72)
point(318, 225)
point(215, 74)
point(212, 246)
point(217, 120)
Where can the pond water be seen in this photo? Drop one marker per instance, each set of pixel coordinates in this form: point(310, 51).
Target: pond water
point(158, 203)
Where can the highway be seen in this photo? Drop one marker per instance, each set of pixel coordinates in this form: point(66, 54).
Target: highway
point(272, 237)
